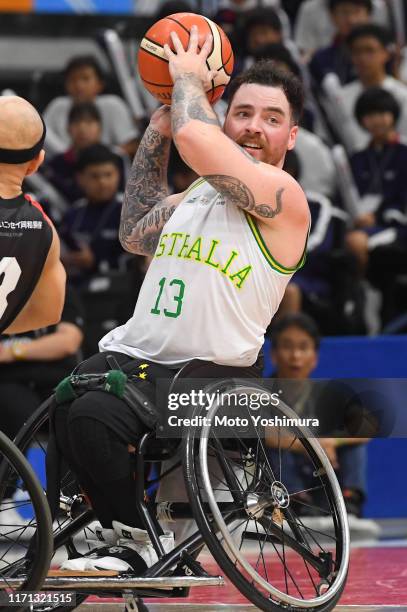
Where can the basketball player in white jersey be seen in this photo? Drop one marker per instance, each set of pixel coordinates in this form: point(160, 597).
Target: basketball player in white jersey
point(223, 251)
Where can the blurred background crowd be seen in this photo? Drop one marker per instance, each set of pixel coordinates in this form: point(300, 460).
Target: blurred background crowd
point(350, 158)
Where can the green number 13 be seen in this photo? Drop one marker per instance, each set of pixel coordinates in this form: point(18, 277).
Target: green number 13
point(177, 298)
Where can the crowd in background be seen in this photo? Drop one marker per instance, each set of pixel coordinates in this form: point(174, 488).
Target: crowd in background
point(349, 156)
point(350, 159)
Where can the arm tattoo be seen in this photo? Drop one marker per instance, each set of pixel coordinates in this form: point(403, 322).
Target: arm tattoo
point(146, 187)
point(237, 192)
point(190, 102)
point(147, 234)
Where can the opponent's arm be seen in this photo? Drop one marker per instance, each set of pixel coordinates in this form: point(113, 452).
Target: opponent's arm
point(47, 300)
point(264, 191)
point(147, 205)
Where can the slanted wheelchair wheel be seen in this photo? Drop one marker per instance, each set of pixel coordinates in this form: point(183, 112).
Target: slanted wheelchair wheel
point(25, 544)
point(254, 521)
point(70, 528)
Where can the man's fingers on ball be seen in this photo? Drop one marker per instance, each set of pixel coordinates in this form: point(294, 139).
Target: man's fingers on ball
point(193, 39)
point(167, 51)
point(177, 43)
point(207, 46)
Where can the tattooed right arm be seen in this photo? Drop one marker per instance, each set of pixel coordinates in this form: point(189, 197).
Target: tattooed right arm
point(147, 205)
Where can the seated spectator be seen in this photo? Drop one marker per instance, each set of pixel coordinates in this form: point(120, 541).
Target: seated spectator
point(256, 28)
point(314, 28)
point(345, 15)
point(84, 129)
point(369, 48)
point(295, 346)
point(380, 176)
point(262, 26)
point(327, 287)
point(227, 18)
point(84, 82)
point(32, 364)
point(317, 167)
point(89, 230)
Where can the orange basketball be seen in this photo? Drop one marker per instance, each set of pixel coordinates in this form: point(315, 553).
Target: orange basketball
point(153, 65)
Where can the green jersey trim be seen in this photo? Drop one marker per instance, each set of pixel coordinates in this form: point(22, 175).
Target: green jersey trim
point(268, 256)
point(194, 185)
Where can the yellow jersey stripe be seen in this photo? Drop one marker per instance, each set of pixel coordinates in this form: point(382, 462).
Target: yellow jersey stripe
point(194, 185)
point(268, 256)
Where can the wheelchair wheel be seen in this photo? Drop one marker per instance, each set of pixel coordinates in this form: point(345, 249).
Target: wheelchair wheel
point(72, 525)
point(253, 523)
point(25, 545)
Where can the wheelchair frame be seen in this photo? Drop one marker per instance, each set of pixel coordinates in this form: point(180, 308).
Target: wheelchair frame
point(155, 581)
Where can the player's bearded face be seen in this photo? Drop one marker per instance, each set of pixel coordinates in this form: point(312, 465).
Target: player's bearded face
point(259, 120)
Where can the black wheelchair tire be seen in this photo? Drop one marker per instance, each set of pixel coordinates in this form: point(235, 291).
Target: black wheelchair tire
point(38, 420)
point(191, 475)
point(43, 552)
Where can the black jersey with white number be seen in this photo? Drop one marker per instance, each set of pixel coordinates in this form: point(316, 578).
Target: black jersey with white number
point(25, 240)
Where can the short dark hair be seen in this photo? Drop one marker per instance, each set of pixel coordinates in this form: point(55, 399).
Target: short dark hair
point(366, 3)
point(376, 100)
point(262, 16)
point(370, 30)
point(84, 61)
point(265, 72)
point(278, 53)
point(96, 154)
point(301, 321)
point(84, 110)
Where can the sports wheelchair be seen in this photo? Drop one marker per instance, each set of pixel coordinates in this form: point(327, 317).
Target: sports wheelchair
point(19, 487)
point(252, 525)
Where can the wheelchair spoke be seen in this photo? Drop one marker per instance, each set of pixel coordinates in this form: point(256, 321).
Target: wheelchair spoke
point(291, 554)
point(312, 506)
point(262, 544)
point(284, 562)
point(310, 576)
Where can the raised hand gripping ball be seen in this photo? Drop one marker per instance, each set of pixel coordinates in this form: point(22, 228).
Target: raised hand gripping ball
point(153, 65)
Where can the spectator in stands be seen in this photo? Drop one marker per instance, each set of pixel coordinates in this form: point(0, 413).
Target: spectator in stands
point(89, 230)
point(227, 19)
point(317, 167)
point(261, 27)
point(370, 52)
point(327, 287)
point(84, 129)
point(314, 28)
point(84, 82)
point(380, 233)
point(345, 15)
point(255, 29)
point(32, 364)
point(295, 346)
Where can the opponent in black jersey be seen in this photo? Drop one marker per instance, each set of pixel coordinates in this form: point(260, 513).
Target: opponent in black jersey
point(32, 278)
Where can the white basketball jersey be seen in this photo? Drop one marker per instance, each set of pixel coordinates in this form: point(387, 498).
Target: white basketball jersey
point(210, 291)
